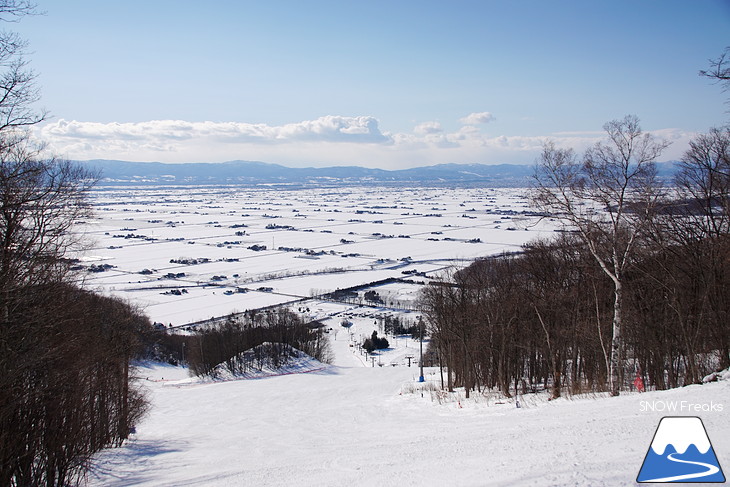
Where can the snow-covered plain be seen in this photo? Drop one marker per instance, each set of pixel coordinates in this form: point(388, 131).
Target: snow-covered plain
point(315, 241)
point(354, 422)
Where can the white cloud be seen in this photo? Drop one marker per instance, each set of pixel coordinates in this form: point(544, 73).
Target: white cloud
point(333, 129)
point(428, 128)
point(477, 118)
point(673, 135)
point(329, 128)
point(328, 140)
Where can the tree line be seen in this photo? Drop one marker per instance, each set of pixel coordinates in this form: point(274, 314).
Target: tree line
point(66, 390)
point(223, 344)
point(65, 385)
point(636, 283)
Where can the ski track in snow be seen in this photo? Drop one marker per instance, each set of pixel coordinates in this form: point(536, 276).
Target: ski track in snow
point(350, 425)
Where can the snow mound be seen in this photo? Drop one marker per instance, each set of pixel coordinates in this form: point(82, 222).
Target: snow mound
point(715, 376)
point(268, 360)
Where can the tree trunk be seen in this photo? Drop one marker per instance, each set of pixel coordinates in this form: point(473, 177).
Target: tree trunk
point(124, 421)
point(616, 339)
point(449, 368)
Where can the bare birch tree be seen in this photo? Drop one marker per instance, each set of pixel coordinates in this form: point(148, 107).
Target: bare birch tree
point(607, 197)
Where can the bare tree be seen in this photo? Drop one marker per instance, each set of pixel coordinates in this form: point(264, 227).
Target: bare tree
point(18, 91)
point(40, 197)
point(11, 10)
point(719, 70)
point(222, 346)
point(703, 180)
point(607, 198)
point(64, 373)
point(40, 201)
point(695, 229)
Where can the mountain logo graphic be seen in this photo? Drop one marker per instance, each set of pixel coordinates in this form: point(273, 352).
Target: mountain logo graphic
point(681, 452)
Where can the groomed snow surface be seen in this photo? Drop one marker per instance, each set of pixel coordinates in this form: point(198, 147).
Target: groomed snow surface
point(354, 425)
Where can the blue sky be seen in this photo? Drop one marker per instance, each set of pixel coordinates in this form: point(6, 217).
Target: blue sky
point(375, 83)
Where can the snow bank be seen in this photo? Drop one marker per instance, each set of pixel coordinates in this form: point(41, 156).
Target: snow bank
point(715, 376)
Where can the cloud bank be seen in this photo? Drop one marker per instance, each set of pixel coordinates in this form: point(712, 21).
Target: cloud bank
point(327, 140)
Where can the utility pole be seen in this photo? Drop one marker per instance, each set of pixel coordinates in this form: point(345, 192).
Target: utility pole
point(420, 360)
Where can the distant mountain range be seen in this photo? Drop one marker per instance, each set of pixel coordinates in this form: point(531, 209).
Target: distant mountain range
point(253, 172)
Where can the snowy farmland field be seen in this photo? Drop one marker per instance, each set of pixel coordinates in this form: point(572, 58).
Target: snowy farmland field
point(189, 254)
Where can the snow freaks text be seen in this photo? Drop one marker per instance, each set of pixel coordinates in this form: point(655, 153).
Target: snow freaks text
point(680, 407)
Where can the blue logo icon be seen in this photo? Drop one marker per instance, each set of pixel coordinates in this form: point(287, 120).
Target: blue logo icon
point(681, 452)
